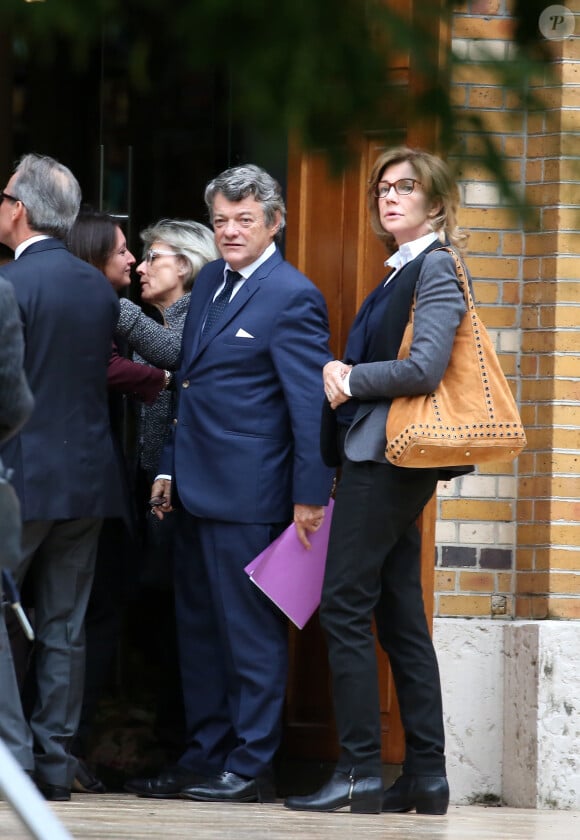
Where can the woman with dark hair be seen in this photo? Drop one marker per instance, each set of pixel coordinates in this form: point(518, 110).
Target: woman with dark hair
point(373, 565)
point(97, 238)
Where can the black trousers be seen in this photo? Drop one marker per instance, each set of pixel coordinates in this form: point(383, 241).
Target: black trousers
point(373, 566)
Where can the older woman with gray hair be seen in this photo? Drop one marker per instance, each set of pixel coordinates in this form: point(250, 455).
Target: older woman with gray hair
point(174, 252)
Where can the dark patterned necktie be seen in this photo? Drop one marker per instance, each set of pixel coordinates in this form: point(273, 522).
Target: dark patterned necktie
point(218, 305)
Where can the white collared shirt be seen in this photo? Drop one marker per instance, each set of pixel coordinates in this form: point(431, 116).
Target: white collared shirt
point(407, 252)
point(246, 271)
point(30, 241)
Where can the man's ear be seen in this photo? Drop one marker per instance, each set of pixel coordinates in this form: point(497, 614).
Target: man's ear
point(21, 221)
point(276, 226)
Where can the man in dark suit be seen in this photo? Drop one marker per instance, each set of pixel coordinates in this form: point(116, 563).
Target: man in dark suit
point(245, 460)
point(16, 404)
point(64, 469)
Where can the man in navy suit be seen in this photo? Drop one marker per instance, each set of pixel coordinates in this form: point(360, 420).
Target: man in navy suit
point(244, 460)
point(64, 468)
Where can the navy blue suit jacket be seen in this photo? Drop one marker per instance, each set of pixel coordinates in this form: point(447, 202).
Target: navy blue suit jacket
point(63, 460)
point(246, 442)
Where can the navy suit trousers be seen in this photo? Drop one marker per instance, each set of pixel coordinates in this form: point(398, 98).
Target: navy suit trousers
point(232, 648)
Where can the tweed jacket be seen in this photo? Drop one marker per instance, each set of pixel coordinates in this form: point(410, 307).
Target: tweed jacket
point(157, 344)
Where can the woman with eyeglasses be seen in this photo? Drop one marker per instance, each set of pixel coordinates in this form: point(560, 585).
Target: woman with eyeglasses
point(174, 251)
point(373, 566)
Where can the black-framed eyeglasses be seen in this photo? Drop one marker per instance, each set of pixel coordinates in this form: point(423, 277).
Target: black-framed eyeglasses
point(4, 195)
point(152, 254)
point(404, 186)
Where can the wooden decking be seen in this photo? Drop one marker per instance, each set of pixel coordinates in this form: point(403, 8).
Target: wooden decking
point(124, 817)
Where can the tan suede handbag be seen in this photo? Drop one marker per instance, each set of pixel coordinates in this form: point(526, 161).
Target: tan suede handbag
point(471, 417)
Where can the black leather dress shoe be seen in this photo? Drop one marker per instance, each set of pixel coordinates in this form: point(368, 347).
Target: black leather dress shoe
point(167, 785)
point(54, 793)
point(424, 794)
point(364, 795)
point(229, 787)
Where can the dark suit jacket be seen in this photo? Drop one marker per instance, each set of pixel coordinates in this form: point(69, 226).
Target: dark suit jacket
point(245, 447)
point(63, 461)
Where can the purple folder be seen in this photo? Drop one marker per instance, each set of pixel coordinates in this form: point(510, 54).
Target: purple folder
point(291, 575)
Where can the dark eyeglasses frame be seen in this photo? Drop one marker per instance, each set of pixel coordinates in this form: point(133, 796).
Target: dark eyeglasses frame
point(4, 195)
point(383, 188)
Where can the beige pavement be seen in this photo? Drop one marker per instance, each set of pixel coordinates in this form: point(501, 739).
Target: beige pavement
point(124, 817)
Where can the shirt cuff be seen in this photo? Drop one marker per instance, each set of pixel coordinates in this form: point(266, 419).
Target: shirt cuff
point(346, 385)
point(162, 475)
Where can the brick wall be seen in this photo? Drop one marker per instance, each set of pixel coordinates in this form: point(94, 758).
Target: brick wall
point(508, 538)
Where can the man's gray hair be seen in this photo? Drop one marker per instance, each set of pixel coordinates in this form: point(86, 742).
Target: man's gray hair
point(50, 193)
point(239, 182)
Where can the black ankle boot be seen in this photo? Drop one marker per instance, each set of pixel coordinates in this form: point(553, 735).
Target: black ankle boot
point(364, 795)
point(424, 794)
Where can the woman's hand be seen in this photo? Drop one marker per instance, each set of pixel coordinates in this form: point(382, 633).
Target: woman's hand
point(333, 375)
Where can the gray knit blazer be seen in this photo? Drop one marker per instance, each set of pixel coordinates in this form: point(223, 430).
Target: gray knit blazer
point(159, 345)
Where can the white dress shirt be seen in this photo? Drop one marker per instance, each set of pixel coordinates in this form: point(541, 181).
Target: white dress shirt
point(30, 241)
point(246, 271)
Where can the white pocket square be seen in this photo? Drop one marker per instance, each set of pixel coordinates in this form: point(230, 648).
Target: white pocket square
point(241, 333)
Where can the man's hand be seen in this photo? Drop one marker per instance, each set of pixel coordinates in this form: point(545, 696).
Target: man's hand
point(332, 374)
point(160, 500)
point(307, 518)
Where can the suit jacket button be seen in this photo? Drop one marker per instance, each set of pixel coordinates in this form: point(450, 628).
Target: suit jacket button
point(185, 383)
point(175, 421)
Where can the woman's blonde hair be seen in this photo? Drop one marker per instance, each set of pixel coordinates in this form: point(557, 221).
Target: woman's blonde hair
point(438, 185)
